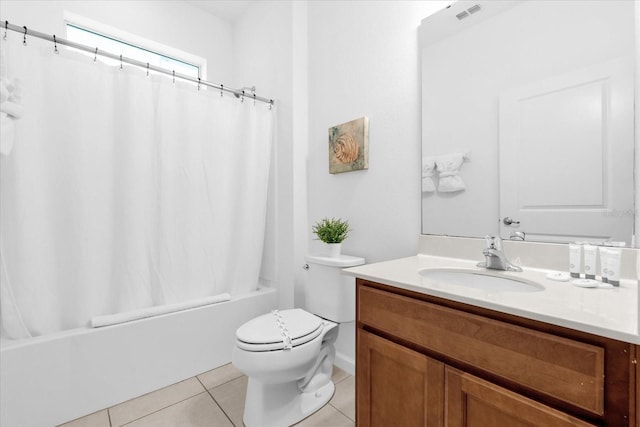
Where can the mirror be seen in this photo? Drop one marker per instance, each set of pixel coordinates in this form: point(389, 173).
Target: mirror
point(528, 120)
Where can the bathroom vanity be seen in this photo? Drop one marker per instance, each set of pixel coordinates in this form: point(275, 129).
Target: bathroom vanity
point(431, 352)
point(443, 342)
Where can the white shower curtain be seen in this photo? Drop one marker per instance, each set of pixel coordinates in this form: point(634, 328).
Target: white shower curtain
point(124, 191)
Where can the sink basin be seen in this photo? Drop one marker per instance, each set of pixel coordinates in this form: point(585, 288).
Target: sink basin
point(479, 280)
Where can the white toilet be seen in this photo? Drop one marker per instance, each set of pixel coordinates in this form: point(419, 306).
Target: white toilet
point(288, 355)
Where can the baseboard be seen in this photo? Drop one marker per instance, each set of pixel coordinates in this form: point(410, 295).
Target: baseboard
point(345, 363)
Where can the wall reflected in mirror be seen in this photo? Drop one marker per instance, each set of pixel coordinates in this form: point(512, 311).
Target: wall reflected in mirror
point(528, 120)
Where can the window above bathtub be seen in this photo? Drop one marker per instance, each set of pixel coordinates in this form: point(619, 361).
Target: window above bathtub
point(109, 39)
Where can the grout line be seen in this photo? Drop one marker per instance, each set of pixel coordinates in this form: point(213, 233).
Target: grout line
point(342, 379)
point(342, 413)
point(204, 390)
point(221, 384)
point(338, 409)
point(158, 389)
point(221, 408)
point(162, 409)
point(208, 391)
point(201, 383)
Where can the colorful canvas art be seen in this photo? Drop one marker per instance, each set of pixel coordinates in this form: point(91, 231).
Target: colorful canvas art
point(349, 146)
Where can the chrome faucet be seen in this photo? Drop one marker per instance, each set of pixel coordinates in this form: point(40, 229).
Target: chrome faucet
point(495, 257)
point(517, 235)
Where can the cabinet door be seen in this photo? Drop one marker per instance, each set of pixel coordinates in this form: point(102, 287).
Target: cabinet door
point(472, 402)
point(396, 386)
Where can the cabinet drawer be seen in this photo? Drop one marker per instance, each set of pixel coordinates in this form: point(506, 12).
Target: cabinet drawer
point(565, 369)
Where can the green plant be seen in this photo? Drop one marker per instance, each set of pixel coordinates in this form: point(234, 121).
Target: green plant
point(331, 230)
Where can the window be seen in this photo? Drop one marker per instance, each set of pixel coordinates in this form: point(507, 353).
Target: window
point(114, 42)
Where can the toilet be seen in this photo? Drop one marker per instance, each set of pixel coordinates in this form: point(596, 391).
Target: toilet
point(288, 355)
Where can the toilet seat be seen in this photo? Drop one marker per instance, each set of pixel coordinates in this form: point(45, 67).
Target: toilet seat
point(279, 330)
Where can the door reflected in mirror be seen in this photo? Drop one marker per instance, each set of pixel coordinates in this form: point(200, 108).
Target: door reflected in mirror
point(533, 100)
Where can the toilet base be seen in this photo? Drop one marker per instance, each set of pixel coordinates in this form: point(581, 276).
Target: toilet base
point(282, 405)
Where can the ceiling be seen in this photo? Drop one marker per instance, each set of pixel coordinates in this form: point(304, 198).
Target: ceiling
point(229, 10)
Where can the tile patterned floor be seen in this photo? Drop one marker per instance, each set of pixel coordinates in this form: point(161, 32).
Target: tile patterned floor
point(214, 398)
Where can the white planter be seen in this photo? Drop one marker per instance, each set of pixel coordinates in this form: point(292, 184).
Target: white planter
point(334, 249)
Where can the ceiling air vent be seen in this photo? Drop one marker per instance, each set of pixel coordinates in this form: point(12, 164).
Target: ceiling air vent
point(465, 13)
point(474, 9)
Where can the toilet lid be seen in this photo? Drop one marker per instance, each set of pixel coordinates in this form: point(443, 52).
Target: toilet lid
point(269, 331)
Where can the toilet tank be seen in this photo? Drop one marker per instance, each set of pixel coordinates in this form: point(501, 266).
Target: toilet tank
point(329, 293)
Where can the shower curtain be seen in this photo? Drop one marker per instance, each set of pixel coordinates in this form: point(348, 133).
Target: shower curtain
point(124, 191)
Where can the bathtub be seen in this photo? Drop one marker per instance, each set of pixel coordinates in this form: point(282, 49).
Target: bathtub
point(49, 380)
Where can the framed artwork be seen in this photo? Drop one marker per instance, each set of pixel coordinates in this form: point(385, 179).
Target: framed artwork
point(349, 146)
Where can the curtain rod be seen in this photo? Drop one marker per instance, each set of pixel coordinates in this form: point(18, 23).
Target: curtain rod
point(123, 59)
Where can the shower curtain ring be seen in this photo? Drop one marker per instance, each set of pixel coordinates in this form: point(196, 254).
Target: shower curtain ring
point(24, 38)
point(55, 44)
point(254, 99)
point(147, 69)
point(198, 83)
point(6, 25)
point(95, 55)
point(121, 61)
point(174, 76)
point(221, 89)
point(270, 104)
point(242, 97)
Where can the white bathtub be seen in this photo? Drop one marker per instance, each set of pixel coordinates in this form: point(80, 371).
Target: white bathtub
point(49, 380)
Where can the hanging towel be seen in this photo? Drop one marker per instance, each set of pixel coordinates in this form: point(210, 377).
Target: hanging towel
point(143, 313)
point(428, 169)
point(449, 171)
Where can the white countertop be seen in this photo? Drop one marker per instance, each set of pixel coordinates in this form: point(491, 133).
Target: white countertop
point(608, 312)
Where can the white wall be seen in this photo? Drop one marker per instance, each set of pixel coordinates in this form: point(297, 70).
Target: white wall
point(270, 40)
point(327, 63)
point(289, 49)
point(172, 23)
point(364, 61)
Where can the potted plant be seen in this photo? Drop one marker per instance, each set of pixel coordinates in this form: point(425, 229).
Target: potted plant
point(332, 232)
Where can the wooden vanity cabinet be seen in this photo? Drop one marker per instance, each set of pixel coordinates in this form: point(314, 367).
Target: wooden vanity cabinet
point(427, 361)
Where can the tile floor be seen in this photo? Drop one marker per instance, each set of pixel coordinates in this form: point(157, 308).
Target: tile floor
point(213, 399)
